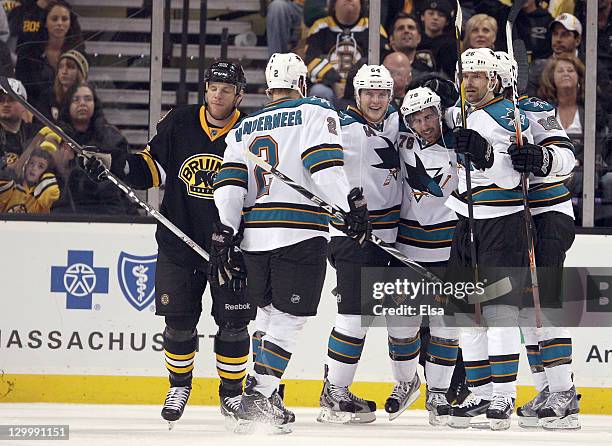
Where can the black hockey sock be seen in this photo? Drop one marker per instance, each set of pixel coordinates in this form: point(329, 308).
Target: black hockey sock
point(232, 353)
point(179, 352)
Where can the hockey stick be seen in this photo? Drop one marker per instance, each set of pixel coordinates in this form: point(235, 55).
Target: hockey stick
point(468, 166)
point(516, 7)
point(4, 84)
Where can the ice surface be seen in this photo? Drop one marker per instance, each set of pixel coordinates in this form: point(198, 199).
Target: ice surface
point(108, 425)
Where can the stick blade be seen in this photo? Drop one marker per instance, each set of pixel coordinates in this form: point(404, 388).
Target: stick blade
point(458, 17)
point(515, 9)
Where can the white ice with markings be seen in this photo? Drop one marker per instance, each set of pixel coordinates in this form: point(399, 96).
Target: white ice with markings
point(110, 425)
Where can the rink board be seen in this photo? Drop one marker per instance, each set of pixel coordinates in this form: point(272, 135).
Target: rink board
point(77, 324)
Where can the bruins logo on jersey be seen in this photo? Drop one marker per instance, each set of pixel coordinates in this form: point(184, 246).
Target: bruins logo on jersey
point(198, 172)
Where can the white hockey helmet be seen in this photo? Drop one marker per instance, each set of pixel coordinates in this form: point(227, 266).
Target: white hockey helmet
point(286, 70)
point(419, 99)
point(375, 77)
point(508, 69)
point(480, 60)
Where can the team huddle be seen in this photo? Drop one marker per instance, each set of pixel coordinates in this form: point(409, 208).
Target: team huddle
point(441, 186)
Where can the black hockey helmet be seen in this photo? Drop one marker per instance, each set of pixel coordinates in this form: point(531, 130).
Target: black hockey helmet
point(227, 73)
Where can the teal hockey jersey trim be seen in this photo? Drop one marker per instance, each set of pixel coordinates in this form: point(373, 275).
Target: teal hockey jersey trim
point(502, 112)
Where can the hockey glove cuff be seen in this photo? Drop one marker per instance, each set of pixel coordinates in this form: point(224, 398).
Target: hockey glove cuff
point(469, 142)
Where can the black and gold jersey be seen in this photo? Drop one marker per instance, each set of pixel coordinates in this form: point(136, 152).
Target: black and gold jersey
point(185, 156)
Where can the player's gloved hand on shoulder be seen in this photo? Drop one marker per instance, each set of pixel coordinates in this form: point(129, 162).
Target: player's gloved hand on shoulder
point(226, 266)
point(357, 224)
point(470, 142)
point(443, 88)
point(531, 158)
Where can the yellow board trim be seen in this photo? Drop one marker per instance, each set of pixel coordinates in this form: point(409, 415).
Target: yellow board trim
point(151, 390)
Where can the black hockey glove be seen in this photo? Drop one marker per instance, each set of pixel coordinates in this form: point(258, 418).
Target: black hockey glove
point(470, 142)
point(356, 222)
point(531, 158)
point(445, 89)
point(226, 265)
point(95, 165)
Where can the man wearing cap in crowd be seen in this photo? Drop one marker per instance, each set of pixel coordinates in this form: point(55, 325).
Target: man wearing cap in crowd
point(15, 131)
point(436, 16)
point(565, 38)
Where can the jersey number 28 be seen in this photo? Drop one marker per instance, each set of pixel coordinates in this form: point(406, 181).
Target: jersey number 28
point(267, 148)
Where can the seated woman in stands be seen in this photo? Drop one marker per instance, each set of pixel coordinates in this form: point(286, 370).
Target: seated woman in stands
point(37, 64)
point(82, 118)
point(72, 68)
point(562, 85)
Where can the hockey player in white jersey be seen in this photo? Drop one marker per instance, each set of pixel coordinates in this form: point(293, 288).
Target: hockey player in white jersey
point(490, 354)
point(371, 162)
point(549, 160)
point(284, 239)
point(429, 166)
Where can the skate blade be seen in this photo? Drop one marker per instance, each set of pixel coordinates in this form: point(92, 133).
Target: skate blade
point(499, 425)
point(437, 420)
point(458, 422)
point(569, 422)
point(327, 415)
point(528, 422)
point(411, 400)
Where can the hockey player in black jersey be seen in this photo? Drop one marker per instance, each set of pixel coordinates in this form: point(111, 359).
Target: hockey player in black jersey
point(185, 155)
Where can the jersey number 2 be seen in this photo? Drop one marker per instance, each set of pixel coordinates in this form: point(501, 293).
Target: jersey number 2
point(266, 148)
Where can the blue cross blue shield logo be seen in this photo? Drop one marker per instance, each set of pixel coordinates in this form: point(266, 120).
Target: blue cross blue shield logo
point(79, 280)
point(136, 275)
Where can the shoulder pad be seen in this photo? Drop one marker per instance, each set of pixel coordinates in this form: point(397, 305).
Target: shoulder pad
point(534, 104)
point(313, 100)
point(503, 113)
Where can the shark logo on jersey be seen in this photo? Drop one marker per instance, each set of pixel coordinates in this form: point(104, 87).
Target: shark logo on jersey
point(537, 103)
point(510, 117)
point(421, 183)
point(198, 172)
point(390, 160)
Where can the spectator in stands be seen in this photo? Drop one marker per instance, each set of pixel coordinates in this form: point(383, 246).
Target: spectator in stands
point(437, 14)
point(480, 32)
point(35, 191)
point(532, 25)
point(61, 33)
point(405, 37)
point(562, 84)
point(82, 118)
point(335, 44)
point(72, 68)
point(284, 25)
point(398, 65)
point(566, 35)
point(604, 48)
point(26, 24)
point(15, 133)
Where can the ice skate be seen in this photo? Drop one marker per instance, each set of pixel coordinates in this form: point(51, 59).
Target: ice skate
point(560, 411)
point(340, 405)
point(528, 413)
point(402, 396)
point(457, 393)
point(499, 412)
point(473, 406)
point(277, 401)
point(256, 409)
point(437, 406)
point(176, 400)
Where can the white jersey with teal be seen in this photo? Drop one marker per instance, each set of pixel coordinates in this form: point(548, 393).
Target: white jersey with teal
point(371, 161)
point(301, 138)
point(430, 176)
point(496, 191)
point(549, 193)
